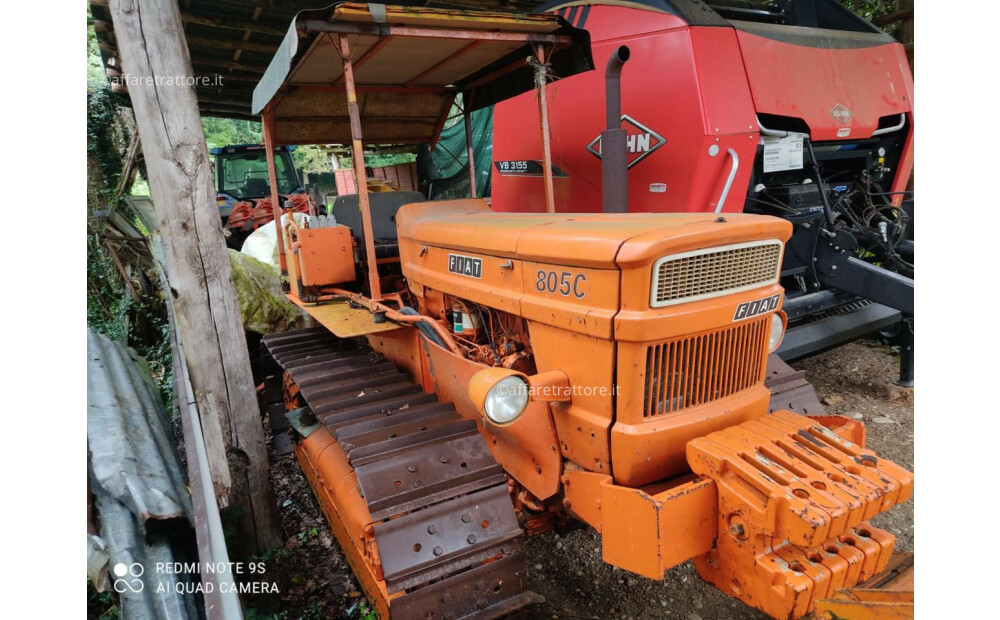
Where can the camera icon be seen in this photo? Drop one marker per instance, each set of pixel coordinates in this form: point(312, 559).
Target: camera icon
point(128, 577)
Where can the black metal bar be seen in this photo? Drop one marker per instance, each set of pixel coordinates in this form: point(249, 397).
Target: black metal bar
point(871, 282)
point(614, 153)
point(834, 330)
point(905, 352)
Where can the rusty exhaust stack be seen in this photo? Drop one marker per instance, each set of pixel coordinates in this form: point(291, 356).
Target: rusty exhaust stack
point(614, 157)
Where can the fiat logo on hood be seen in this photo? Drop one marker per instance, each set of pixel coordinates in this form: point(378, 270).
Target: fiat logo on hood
point(841, 113)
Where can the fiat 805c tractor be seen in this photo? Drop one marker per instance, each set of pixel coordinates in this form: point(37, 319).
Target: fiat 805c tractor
point(477, 377)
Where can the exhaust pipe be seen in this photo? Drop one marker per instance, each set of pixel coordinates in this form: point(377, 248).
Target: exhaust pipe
point(614, 156)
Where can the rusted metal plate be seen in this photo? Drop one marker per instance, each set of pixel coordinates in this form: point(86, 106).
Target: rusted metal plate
point(431, 473)
point(789, 388)
point(384, 424)
point(489, 591)
point(369, 395)
point(425, 545)
point(343, 320)
point(387, 405)
point(361, 455)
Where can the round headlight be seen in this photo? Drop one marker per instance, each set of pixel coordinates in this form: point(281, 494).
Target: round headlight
point(777, 331)
point(506, 400)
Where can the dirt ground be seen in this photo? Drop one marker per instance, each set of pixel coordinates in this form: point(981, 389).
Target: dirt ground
point(566, 570)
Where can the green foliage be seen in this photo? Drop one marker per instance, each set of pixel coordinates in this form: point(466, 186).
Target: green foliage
point(379, 160)
point(101, 605)
point(874, 9)
point(311, 160)
point(102, 145)
point(220, 132)
point(96, 78)
point(108, 302)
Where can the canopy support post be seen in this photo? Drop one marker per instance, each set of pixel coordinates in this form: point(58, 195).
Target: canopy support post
point(357, 153)
point(267, 123)
point(467, 115)
point(542, 53)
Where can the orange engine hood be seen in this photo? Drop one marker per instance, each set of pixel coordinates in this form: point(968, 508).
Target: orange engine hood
point(596, 240)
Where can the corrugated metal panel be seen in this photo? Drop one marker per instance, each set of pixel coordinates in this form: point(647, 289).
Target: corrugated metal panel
point(128, 435)
point(139, 488)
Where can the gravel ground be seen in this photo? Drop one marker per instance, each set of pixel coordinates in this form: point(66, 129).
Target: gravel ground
point(566, 568)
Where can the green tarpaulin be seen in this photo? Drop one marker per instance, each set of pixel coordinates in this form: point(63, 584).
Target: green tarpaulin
point(445, 168)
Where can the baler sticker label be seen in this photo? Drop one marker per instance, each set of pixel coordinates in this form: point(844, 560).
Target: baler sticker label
point(750, 309)
point(784, 153)
point(465, 265)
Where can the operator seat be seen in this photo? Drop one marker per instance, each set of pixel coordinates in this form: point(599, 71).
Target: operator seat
point(384, 206)
point(256, 187)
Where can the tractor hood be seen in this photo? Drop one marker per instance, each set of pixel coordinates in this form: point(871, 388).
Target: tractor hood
point(593, 240)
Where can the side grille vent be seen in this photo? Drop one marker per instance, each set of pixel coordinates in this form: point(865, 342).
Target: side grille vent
point(692, 371)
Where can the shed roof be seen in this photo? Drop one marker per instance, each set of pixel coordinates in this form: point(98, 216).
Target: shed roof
point(236, 39)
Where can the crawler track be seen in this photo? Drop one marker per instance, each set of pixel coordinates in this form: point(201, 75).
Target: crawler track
point(440, 538)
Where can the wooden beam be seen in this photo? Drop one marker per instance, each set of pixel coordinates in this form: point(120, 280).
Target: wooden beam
point(228, 78)
point(231, 23)
point(129, 167)
point(222, 44)
point(198, 269)
point(232, 66)
point(246, 33)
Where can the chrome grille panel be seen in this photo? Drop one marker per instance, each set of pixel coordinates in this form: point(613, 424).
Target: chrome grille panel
point(713, 272)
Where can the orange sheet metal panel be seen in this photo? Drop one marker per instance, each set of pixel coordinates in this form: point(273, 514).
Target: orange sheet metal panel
point(499, 285)
point(343, 320)
point(325, 256)
point(676, 390)
point(575, 298)
point(584, 422)
point(642, 531)
point(527, 449)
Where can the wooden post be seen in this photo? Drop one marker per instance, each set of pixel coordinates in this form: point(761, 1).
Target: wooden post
point(543, 119)
point(151, 41)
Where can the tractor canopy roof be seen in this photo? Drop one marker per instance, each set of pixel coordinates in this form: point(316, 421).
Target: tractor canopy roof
point(409, 64)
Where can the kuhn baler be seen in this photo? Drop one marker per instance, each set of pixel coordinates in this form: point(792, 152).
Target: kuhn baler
point(796, 109)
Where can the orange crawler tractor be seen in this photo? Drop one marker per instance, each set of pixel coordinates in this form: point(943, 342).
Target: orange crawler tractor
point(479, 376)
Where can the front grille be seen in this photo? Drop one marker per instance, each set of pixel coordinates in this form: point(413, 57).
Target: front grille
point(688, 372)
point(715, 271)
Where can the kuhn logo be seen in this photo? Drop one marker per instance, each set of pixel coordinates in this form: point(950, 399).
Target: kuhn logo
point(749, 309)
point(841, 113)
point(640, 141)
